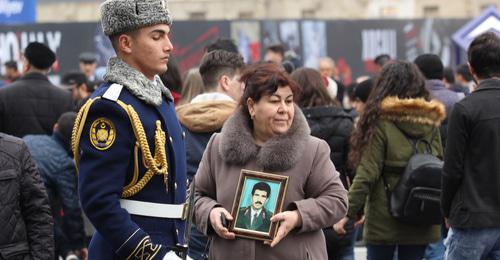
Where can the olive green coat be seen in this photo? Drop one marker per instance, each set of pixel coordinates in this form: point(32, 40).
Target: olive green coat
point(388, 152)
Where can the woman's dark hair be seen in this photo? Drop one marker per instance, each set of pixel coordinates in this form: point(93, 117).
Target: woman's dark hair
point(400, 79)
point(172, 77)
point(313, 89)
point(264, 79)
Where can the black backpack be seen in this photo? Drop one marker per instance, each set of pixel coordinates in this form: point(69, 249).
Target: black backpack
point(416, 197)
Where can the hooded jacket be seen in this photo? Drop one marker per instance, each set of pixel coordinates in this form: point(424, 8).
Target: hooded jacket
point(200, 120)
point(388, 153)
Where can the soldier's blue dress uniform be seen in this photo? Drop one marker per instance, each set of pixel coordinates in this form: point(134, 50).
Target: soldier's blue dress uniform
point(129, 146)
point(112, 165)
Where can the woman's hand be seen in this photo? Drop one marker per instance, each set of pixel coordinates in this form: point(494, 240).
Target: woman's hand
point(339, 226)
point(359, 220)
point(288, 220)
point(215, 220)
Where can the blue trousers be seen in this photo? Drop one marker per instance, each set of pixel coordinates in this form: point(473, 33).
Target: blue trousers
point(435, 251)
point(472, 244)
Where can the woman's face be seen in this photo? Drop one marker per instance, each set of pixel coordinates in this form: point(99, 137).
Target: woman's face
point(273, 114)
point(358, 105)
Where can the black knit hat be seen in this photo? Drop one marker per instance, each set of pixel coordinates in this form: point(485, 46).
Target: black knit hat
point(363, 89)
point(430, 65)
point(39, 55)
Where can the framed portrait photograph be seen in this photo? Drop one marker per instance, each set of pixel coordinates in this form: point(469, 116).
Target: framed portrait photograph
point(258, 197)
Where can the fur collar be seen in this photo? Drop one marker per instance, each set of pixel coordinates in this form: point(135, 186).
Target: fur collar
point(415, 110)
point(141, 87)
point(281, 153)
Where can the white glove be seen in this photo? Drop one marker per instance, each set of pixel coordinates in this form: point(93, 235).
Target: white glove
point(172, 256)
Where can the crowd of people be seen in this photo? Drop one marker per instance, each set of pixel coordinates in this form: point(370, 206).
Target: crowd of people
point(113, 166)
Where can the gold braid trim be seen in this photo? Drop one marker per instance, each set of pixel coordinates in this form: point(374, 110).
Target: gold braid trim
point(76, 134)
point(145, 249)
point(155, 165)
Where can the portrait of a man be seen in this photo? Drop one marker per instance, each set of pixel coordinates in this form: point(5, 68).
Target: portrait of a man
point(255, 216)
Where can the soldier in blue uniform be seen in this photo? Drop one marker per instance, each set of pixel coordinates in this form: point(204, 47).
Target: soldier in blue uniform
point(128, 144)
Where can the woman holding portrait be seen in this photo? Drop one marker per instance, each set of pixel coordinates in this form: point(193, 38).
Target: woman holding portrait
point(269, 133)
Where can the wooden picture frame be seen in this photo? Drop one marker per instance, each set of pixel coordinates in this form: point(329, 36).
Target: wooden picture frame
point(261, 194)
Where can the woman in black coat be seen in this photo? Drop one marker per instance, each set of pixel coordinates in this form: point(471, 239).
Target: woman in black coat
point(329, 122)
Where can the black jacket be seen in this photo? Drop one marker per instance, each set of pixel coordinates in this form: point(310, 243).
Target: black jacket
point(32, 105)
point(334, 126)
point(471, 173)
point(25, 219)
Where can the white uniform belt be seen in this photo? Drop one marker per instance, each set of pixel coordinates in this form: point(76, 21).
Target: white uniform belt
point(158, 210)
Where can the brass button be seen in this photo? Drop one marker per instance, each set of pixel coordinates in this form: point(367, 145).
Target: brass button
point(175, 185)
point(171, 140)
point(177, 231)
point(183, 135)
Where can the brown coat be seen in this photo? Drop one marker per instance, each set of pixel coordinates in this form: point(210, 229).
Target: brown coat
point(314, 187)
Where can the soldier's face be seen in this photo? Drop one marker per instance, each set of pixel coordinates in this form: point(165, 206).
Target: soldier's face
point(259, 199)
point(150, 49)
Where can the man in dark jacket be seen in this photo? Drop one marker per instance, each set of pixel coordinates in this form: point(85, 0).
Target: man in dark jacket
point(24, 208)
point(32, 105)
point(432, 68)
point(471, 174)
point(206, 113)
point(53, 158)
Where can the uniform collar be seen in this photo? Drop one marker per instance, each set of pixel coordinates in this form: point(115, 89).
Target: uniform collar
point(253, 211)
point(141, 87)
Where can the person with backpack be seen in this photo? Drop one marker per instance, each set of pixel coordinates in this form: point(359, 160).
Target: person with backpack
point(399, 121)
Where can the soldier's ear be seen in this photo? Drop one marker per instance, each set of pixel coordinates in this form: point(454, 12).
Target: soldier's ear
point(125, 43)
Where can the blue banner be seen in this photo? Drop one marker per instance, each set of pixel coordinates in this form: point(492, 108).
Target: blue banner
point(17, 11)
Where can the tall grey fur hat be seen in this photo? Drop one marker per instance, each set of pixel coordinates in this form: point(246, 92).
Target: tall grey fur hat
point(118, 16)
